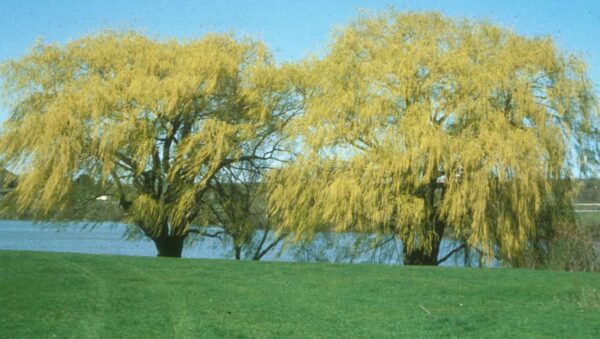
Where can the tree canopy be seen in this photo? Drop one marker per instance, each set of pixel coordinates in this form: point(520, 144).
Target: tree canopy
point(152, 122)
point(424, 127)
point(412, 126)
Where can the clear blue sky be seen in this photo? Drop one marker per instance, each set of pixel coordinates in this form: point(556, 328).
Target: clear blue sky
point(291, 28)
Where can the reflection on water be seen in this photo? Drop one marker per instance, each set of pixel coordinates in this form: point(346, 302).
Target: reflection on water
point(107, 238)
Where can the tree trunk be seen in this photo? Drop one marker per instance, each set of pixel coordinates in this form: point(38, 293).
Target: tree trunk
point(238, 252)
point(419, 256)
point(260, 251)
point(169, 246)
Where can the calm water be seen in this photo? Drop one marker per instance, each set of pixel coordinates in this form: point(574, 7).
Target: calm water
point(108, 238)
point(105, 238)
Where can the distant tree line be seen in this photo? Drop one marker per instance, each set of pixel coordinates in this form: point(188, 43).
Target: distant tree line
point(589, 191)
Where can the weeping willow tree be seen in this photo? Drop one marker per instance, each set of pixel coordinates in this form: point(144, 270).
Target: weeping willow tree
point(152, 122)
point(423, 127)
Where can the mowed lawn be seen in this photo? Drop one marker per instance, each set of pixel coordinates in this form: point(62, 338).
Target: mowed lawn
point(75, 295)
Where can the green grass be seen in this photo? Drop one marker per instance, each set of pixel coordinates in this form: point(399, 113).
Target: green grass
point(75, 295)
point(590, 219)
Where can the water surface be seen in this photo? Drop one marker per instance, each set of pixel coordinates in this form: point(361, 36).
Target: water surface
point(108, 238)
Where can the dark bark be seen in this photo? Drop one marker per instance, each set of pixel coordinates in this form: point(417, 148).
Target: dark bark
point(260, 252)
point(169, 246)
point(238, 252)
point(453, 252)
point(419, 256)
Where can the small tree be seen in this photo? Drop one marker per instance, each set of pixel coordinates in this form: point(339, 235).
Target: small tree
point(154, 122)
point(424, 127)
point(237, 207)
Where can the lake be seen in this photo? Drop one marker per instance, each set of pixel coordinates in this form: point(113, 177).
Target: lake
point(108, 238)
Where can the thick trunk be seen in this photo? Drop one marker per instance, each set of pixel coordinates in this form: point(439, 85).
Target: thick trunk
point(169, 246)
point(420, 256)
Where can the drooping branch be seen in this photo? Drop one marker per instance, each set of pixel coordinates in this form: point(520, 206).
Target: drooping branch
point(162, 162)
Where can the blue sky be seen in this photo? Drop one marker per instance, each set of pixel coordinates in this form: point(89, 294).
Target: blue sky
point(292, 29)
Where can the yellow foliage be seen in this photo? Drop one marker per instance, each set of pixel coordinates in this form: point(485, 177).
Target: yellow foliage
point(415, 119)
point(155, 121)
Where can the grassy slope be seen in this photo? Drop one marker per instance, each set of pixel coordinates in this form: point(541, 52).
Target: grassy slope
point(73, 295)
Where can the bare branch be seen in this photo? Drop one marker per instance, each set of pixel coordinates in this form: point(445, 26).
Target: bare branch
point(217, 234)
point(451, 253)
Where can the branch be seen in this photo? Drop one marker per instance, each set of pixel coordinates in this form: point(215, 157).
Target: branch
point(130, 162)
point(203, 233)
point(93, 198)
point(450, 254)
point(216, 214)
point(383, 242)
point(261, 244)
point(271, 245)
point(167, 146)
point(80, 206)
point(122, 197)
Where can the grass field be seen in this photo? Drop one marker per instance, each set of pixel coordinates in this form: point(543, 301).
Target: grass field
point(75, 295)
point(591, 219)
